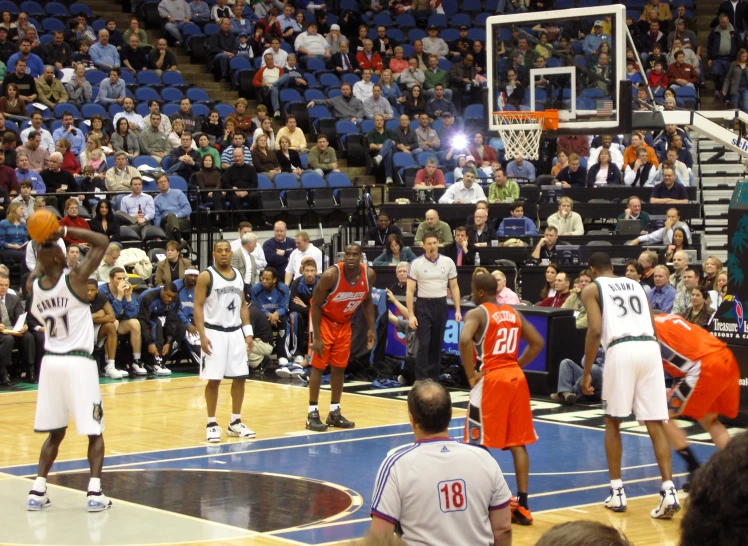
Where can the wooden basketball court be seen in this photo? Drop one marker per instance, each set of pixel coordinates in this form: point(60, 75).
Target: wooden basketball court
point(287, 486)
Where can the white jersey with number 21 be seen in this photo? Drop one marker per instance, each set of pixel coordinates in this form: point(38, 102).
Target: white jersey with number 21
point(625, 309)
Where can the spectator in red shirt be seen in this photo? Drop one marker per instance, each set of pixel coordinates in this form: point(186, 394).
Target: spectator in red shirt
point(69, 161)
point(656, 77)
point(682, 74)
point(573, 144)
point(71, 219)
point(562, 285)
point(368, 58)
point(482, 152)
point(8, 179)
point(430, 176)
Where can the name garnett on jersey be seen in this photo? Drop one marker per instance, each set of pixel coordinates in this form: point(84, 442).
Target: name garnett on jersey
point(52, 303)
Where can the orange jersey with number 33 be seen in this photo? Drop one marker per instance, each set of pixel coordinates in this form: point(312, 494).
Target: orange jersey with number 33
point(344, 299)
point(499, 345)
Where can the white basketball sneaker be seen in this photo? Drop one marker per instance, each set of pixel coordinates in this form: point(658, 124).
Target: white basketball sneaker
point(37, 500)
point(237, 428)
point(138, 369)
point(616, 501)
point(113, 373)
point(213, 434)
point(669, 504)
point(161, 370)
point(97, 501)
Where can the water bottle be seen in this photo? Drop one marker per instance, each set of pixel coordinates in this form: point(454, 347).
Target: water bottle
point(477, 259)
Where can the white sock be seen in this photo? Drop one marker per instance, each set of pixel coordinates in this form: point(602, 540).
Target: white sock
point(667, 485)
point(110, 363)
point(136, 356)
point(615, 484)
point(334, 407)
point(236, 417)
point(212, 420)
point(40, 484)
point(379, 157)
point(94, 485)
point(312, 407)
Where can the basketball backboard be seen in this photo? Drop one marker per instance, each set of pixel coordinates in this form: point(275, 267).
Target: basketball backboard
point(575, 80)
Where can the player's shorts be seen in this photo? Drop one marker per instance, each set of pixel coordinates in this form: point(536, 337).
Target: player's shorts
point(337, 340)
point(633, 381)
point(229, 355)
point(712, 387)
point(499, 415)
point(69, 385)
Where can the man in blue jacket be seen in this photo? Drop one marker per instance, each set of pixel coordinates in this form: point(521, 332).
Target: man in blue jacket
point(186, 297)
point(278, 249)
point(125, 306)
point(172, 210)
point(160, 325)
point(272, 297)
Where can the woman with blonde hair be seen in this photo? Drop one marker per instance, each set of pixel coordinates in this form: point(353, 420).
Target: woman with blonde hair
point(93, 155)
point(288, 158)
point(398, 63)
point(175, 137)
point(711, 267)
point(391, 91)
point(13, 235)
point(79, 89)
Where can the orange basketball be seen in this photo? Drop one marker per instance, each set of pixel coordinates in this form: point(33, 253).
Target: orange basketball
point(41, 225)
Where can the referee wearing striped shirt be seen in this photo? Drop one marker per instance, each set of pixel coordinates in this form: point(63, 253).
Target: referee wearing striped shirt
point(431, 274)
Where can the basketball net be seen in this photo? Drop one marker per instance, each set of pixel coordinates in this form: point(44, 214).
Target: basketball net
point(521, 131)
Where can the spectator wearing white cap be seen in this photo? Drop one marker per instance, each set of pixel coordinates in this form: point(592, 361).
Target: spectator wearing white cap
point(593, 40)
point(334, 38)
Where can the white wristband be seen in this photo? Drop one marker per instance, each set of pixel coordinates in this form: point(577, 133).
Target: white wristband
point(65, 232)
point(247, 330)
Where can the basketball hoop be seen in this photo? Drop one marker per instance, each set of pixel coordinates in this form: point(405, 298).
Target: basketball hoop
point(521, 131)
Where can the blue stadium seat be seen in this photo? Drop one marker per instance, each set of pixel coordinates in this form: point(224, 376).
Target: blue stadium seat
point(402, 159)
point(197, 94)
point(329, 80)
point(150, 185)
point(12, 7)
point(407, 50)
point(451, 7)
point(351, 79)
point(311, 180)
point(88, 110)
point(349, 4)
point(224, 110)
point(146, 94)
point(127, 77)
point(171, 94)
point(461, 19)
point(95, 77)
point(314, 94)
point(172, 78)
point(367, 126)
point(210, 28)
point(333, 92)
point(425, 156)
point(110, 162)
point(439, 20)
point(177, 183)
point(170, 108)
point(481, 18)
point(98, 24)
point(290, 95)
point(200, 109)
point(314, 65)
point(474, 112)
point(338, 180)
point(115, 109)
point(239, 63)
point(142, 109)
point(477, 34)
point(264, 183)
point(191, 29)
point(33, 9)
point(61, 109)
point(346, 127)
point(449, 178)
point(144, 160)
point(449, 35)
point(584, 103)
point(395, 34)
point(319, 111)
point(383, 19)
point(286, 181)
point(77, 8)
point(44, 39)
point(392, 124)
point(148, 77)
point(592, 93)
point(405, 21)
point(416, 34)
point(51, 24)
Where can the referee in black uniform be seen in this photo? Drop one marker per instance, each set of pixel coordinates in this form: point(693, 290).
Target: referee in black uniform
point(430, 275)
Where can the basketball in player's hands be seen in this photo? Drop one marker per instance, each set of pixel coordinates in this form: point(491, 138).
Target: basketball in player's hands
point(42, 225)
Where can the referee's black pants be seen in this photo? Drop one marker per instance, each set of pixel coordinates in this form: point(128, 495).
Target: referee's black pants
point(432, 321)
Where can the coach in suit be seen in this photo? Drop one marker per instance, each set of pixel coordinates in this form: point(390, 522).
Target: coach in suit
point(10, 309)
point(245, 262)
point(344, 62)
point(460, 251)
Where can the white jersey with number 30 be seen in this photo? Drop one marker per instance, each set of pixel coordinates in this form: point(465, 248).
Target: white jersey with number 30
point(224, 300)
point(625, 309)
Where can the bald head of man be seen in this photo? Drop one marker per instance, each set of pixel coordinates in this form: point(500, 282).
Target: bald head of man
point(432, 218)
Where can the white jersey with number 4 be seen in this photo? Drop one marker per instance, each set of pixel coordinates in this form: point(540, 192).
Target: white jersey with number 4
point(66, 318)
point(625, 309)
point(224, 299)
